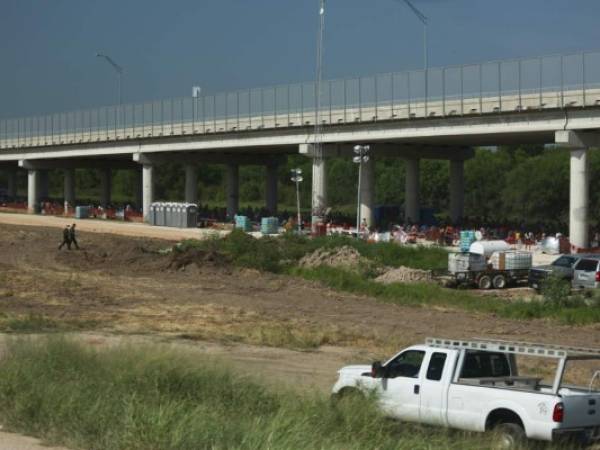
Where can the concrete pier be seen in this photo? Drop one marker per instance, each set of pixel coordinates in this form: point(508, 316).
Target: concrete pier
point(233, 190)
point(105, 187)
point(271, 188)
point(319, 186)
point(457, 191)
point(191, 183)
point(69, 188)
point(412, 209)
point(33, 191)
point(147, 189)
point(367, 192)
point(579, 199)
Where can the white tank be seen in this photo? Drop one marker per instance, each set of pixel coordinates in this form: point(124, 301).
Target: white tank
point(486, 248)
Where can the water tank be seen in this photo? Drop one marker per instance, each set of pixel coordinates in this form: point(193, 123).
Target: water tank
point(486, 248)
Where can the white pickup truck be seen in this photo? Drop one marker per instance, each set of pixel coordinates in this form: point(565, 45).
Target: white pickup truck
point(476, 385)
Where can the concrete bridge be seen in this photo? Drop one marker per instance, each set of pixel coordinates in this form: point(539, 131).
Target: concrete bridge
point(546, 100)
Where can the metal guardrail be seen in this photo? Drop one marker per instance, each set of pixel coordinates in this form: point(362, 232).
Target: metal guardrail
point(545, 82)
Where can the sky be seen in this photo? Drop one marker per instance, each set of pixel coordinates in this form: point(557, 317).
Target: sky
point(48, 47)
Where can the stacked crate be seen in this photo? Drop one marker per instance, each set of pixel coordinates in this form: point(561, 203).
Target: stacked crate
point(269, 225)
point(243, 223)
point(467, 237)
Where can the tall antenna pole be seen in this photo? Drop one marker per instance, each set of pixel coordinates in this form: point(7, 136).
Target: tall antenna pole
point(424, 20)
point(318, 138)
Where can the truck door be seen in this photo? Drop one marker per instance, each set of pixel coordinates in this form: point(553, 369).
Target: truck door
point(400, 389)
point(434, 384)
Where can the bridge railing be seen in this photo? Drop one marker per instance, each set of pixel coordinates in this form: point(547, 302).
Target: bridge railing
point(545, 82)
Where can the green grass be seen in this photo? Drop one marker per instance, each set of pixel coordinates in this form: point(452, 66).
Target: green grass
point(277, 254)
point(148, 399)
point(35, 323)
point(281, 255)
point(428, 294)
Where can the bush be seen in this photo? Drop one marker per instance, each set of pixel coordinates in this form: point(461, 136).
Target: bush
point(556, 291)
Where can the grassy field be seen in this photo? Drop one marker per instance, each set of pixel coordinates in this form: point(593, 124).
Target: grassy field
point(142, 398)
point(281, 255)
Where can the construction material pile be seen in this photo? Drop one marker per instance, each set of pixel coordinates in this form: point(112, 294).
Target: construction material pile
point(344, 257)
point(405, 275)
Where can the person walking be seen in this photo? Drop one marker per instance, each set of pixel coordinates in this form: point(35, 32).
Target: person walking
point(66, 238)
point(72, 237)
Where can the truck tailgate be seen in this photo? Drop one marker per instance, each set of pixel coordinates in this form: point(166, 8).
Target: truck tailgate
point(581, 410)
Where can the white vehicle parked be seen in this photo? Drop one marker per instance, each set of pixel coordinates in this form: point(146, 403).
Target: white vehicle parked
point(476, 385)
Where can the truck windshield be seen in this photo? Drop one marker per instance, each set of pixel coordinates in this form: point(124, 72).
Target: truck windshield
point(485, 365)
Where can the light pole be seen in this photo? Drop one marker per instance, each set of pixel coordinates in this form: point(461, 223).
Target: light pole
point(119, 71)
point(424, 21)
point(362, 156)
point(317, 206)
point(297, 178)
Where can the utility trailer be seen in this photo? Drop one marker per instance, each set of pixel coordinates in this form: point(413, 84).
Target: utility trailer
point(499, 272)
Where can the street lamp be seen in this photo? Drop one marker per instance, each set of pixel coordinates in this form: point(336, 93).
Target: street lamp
point(318, 138)
point(424, 21)
point(362, 156)
point(297, 178)
point(117, 68)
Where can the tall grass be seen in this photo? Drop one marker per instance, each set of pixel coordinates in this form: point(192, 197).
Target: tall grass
point(428, 294)
point(128, 398)
point(276, 254)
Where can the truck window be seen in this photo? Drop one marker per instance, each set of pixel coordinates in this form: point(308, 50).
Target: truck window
point(407, 364)
point(587, 265)
point(485, 365)
point(564, 261)
point(436, 366)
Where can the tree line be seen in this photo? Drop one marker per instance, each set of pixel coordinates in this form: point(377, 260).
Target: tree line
point(525, 185)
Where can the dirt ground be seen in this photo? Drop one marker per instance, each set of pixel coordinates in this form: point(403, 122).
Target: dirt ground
point(123, 285)
point(120, 288)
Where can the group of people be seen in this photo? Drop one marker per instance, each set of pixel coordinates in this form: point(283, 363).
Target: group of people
point(69, 238)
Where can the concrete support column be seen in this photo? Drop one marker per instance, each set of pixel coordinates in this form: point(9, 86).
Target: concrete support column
point(367, 192)
point(271, 189)
point(12, 184)
point(33, 191)
point(69, 188)
point(105, 187)
point(579, 196)
point(44, 184)
point(191, 183)
point(233, 190)
point(412, 209)
point(319, 187)
point(457, 191)
point(147, 189)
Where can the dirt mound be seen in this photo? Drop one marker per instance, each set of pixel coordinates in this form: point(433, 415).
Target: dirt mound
point(342, 257)
point(133, 256)
point(179, 260)
point(404, 274)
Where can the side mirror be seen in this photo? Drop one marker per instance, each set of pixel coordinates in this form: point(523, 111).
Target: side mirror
point(377, 370)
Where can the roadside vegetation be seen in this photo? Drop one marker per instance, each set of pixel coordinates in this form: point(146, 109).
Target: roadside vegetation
point(281, 255)
point(142, 398)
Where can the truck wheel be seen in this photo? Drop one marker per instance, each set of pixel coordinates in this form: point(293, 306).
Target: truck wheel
point(499, 281)
point(485, 282)
point(509, 436)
